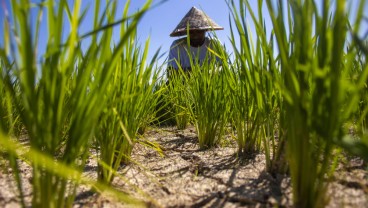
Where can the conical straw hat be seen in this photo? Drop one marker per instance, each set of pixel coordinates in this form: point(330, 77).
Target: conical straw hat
point(197, 20)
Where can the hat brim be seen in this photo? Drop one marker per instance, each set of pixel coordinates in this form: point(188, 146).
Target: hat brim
point(183, 31)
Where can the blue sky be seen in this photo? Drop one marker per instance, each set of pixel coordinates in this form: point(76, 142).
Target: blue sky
point(160, 21)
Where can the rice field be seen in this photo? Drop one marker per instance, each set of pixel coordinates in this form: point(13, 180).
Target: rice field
point(281, 121)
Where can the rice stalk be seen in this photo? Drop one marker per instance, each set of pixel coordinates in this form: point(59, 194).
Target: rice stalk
point(256, 97)
point(60, 98)
point(177, 96)
point(131, 102)
point(208, 97)
point(313, 111)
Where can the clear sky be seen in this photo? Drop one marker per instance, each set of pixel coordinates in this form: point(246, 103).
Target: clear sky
point(160, 21)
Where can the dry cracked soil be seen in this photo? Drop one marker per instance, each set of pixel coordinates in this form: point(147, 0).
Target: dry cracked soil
point(185, 176)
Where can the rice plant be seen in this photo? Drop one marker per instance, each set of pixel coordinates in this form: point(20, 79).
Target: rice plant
point(358, 66)
point(312, 65)
point(8, 119)
point(61, 97)
point(355, 140)
point(6, 109)
point(305, 83)
point(257, 96)
point(247, 77)
point(131, 107)
point(164, 110)
point(208, 97)
point(176, 96)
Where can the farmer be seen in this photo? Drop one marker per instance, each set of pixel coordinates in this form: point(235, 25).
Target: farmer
point(197, 22)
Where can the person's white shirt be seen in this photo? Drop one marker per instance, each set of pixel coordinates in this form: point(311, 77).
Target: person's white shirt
point(180, 53)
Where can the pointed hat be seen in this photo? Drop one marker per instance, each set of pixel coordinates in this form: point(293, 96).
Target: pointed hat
point(197, 20)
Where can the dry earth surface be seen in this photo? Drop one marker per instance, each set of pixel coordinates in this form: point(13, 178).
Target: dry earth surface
point(186, 176)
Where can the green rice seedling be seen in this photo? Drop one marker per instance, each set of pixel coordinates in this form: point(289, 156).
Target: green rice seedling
point(6, 108)
point(355, 140)
point(163, 115)
point(246, 96)
point(9, 116)
point(61, 98)
point(131, 106)
point(208, 100)
point(313, 63)
point(304, 146)
point(358, 66)
point(7, 126)
point(257, 98)
point(312, 87)
point(177, 91)
point(245, 117)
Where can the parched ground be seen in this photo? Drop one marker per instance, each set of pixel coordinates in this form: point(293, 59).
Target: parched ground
point(189, 177)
